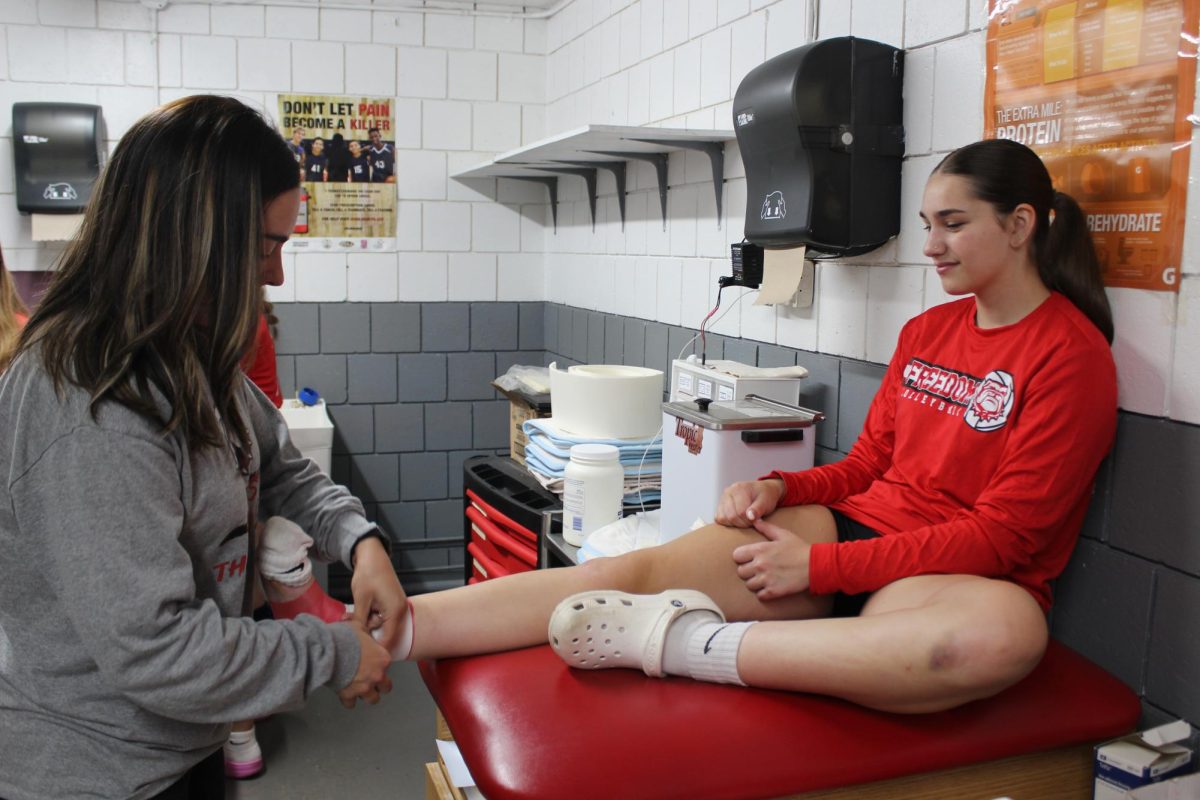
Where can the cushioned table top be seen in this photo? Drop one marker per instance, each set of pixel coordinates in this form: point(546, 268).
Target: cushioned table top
point(529, 727)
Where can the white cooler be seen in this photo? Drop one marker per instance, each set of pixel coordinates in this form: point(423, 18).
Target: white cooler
point(311, 431)
point(706, 449)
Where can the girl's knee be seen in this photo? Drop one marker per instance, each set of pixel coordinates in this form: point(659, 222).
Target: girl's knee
point(627, 573)
point(988, 654)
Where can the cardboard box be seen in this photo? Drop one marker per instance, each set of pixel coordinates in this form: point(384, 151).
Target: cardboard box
point(1141, 759)
point(522, 406)
point(1184, 788)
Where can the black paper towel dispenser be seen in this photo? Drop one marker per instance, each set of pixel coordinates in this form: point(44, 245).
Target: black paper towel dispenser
point(56, 155)
point(821, 133)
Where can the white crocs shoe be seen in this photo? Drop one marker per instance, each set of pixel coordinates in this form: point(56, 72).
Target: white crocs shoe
point(594, 630)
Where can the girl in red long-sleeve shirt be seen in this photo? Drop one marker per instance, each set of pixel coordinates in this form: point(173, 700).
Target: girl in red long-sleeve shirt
point(914, 574)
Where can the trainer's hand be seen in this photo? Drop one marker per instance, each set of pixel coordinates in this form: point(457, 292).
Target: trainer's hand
point(379, 599)
point(743, 503)
point(371, 681)
point(777, 567)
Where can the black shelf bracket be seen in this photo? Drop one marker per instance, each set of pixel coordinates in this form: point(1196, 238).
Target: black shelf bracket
point(551, 185)
point(716, 158)
point(589, 176)
point(659, 160)
point(617, 168)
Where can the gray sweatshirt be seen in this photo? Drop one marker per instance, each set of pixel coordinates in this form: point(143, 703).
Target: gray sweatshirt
point(124, 655)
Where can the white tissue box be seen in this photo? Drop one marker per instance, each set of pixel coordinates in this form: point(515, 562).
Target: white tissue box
point(1141, 759)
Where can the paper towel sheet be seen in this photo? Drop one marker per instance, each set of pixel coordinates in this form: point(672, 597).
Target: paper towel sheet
point(782, 272)
point(55, 227)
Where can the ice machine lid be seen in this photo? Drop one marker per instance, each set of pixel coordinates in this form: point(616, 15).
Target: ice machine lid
point(750, 413)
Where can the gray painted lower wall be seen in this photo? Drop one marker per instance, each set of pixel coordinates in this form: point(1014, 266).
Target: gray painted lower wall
point(408, 391)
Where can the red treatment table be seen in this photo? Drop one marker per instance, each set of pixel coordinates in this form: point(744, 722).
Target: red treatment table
point(529, 727)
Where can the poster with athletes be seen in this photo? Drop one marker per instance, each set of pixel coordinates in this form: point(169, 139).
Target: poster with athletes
point(1103, 91)
point(345, 151)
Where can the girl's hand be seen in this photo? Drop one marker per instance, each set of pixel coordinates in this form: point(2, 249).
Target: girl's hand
point(743, 503)
point(777, 567)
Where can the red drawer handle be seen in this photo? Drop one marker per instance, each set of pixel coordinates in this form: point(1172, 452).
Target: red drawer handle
point(489, 568)
point(502, 539)
point(494, 515)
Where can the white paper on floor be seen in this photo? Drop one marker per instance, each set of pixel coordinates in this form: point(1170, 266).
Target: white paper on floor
point(459, 774)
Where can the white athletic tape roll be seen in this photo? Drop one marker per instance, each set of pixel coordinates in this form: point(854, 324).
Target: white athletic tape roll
point(607, 401)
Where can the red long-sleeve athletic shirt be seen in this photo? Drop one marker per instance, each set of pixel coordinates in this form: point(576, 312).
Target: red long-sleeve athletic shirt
point(259, 364)
point(977, 456)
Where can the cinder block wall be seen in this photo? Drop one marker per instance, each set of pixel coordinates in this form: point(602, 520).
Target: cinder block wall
point(408, 389)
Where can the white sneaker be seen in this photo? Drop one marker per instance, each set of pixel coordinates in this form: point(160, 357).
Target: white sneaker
point(243, 756)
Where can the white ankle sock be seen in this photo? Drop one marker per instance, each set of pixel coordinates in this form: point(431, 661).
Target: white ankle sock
point(241, 737)
point(709, 648)
point(675, 648)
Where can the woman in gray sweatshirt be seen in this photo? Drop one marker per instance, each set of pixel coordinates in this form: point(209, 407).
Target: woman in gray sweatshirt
point(135, 459)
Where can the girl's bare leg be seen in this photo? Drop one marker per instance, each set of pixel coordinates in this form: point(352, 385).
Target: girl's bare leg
point(922, 644)
point(514, 611)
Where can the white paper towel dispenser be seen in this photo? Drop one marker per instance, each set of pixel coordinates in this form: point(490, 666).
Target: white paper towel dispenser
point(57, 151)
point(820, 130)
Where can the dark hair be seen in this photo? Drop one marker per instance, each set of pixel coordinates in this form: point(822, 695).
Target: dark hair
point(1006, 174)
point(374, 130)
point(10, 307)
point(159, 295)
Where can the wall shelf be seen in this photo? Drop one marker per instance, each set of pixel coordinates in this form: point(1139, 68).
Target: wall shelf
point(586, 150)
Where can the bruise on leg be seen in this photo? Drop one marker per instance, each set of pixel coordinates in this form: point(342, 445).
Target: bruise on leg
point(945, 655)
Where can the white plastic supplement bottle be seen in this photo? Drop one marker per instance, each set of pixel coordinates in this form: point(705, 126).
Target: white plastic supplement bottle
point(594, 484)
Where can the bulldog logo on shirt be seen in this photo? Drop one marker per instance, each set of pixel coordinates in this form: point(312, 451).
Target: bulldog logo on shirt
point(993, 400)
point(983, 403)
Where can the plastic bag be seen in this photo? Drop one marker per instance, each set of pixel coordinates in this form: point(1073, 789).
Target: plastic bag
point(627, 534)
point(519, 378)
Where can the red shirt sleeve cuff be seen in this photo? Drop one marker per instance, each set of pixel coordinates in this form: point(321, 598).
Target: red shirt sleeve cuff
point(790, 495)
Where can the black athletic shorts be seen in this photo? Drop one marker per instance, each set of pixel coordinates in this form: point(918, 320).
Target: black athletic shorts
point(850, 605)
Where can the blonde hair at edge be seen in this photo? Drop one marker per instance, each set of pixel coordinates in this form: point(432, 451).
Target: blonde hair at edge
point(158, 296)
point(10, 307)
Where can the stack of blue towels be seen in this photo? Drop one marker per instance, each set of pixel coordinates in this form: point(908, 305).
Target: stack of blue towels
point(549, 450)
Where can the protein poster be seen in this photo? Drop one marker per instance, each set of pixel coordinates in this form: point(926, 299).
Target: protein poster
point(346, 152)
point(1103, 91)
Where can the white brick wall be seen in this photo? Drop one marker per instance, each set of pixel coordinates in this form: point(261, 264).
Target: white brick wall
point(472, 276)
point(423, 277)
point(320, 277)
point(371, 70)
point(467, 87)
point(472, 75)
point(232, 20)
point(372, 278)
point(420, 72)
